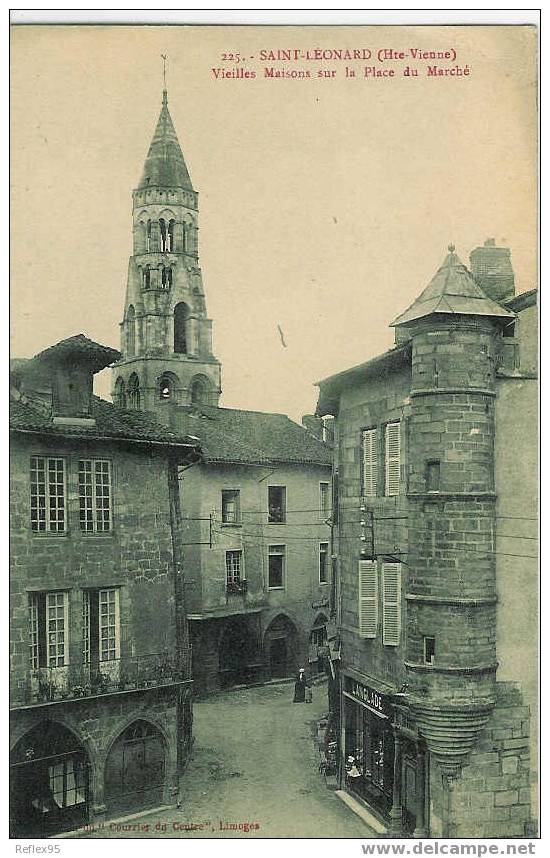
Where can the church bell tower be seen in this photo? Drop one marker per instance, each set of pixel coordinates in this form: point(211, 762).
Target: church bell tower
point(166, 335)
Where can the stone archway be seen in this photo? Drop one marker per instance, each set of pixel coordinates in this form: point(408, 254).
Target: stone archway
point(49, 782)
point(238, 654)
point(135, 768)
point(280, 650)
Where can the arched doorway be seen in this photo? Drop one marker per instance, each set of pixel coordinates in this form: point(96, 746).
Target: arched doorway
point(135, 768)
point(49, 774)
point(238, 655)
point(280, 647)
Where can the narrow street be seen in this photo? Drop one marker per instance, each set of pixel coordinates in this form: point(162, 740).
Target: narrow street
point(254, 762)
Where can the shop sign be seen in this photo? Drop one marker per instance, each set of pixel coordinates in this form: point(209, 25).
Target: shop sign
point(367, 695)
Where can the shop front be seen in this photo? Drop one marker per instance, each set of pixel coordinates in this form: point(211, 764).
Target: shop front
point(383, 760)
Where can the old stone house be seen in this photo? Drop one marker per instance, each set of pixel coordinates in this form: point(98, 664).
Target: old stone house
point(100, 670)
point(257, 545)
point(436, 456)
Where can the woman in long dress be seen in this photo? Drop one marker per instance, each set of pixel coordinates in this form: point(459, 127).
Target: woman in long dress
point(300, 687)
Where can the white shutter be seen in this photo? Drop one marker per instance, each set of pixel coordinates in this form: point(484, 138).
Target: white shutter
point(370, 462)
point(391, 603)
point(368, 598)
point(393, 458)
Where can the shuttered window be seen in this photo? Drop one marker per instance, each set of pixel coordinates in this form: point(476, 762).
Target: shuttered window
point(391, 603)
point(370, 462)
point(368, 598)
point(393, 458)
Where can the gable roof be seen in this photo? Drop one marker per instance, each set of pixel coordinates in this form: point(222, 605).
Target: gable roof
point(79, 348)
point(379, 366)
point(452, 290)
point(235, 436)
point(111, 423)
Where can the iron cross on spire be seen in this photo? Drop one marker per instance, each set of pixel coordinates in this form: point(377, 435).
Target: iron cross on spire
point(164, 58)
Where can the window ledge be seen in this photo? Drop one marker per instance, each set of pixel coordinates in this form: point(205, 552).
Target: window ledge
point(275, 588)
point(49, 533)
point(89, 534)
point(237, 524)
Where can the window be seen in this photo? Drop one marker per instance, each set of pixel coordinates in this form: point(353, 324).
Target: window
point(432, 475)
point(199, 391)
point(48, 495)
point(276, 504)
point(49, 629)
point(391, 604)
point(101, 625)
point(231, 512)
point(276, 567)
point(120, 393)
point(233, 566)
point(324, 500)
point(393, 458)
point(94, 490)
point(148, 237)
point(133, 399)
point(368, 599)
point(67, 782)
point(323, 563)
point(166, 277)
point(170, 246)
point(181, 314)
point(370, 462)
point(163, 235)
point(429, 650)
point(130, 331)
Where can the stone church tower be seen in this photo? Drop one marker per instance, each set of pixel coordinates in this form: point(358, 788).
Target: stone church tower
point(166, 335)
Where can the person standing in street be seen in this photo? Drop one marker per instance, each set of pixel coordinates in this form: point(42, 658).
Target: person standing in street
point(300, 687)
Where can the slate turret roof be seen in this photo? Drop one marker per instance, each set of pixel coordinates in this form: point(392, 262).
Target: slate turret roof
point(452, 290)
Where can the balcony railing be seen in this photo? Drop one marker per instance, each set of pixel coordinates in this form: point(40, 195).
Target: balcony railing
point(47, 684)
point(236, 588)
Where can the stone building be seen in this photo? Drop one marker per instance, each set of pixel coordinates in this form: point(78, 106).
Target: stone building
point(257, 552)
point(436, 455)
point(100, 675)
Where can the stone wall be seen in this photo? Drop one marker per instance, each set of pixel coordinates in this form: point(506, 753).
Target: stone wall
point(204, 565)
point(492, 796)
point(136, 556)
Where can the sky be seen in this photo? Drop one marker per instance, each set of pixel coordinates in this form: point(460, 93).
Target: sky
point(325, 205)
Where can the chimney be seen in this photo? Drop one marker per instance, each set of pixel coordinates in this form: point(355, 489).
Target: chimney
point(314, 425)
point(71, 365)
point(321, 427)
point(492, 270)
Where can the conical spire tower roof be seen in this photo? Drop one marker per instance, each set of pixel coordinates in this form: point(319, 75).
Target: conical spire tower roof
point(452, 290)
point(165, 166)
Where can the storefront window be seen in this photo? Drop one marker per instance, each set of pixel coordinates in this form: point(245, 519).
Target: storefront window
point(369, 756)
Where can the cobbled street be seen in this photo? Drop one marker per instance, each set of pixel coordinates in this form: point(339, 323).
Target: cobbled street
point(254, 761)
